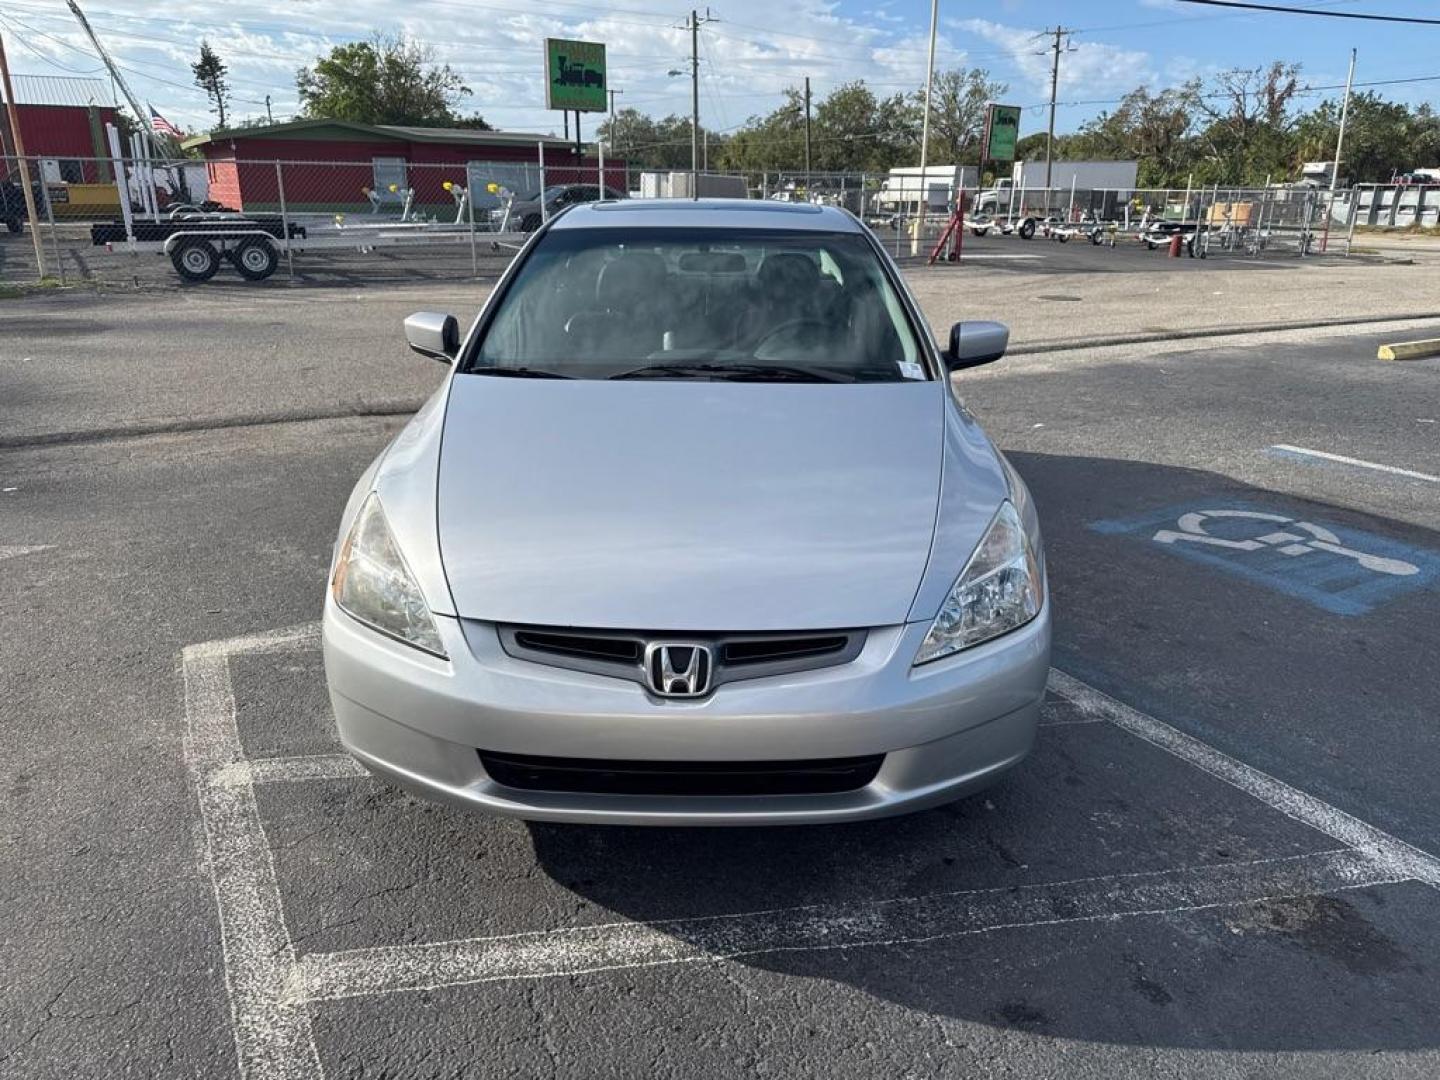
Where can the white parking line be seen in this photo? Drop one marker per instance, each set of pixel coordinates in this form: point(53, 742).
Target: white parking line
point(273, 1041)
point(271, 989)
point(292, 770)
point(1341, 459)
point(903, 921)
point(1402, 858)
point(12, 551)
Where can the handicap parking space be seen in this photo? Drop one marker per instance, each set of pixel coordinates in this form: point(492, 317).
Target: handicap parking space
point(1129, 886)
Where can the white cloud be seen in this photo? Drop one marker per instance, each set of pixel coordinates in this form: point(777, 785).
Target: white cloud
point(749, 57)
point(1088, 69)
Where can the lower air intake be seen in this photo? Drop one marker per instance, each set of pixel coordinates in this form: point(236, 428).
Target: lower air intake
point(597, 777)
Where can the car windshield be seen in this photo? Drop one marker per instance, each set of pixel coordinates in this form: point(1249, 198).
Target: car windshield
point(771, 305)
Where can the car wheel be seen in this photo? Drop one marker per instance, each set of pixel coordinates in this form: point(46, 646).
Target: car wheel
point(978, 232)
point(530, 222)
point(195, 260)
point(14, 224)
point(1027, 229)
point(1096, 238)
point(255, 259)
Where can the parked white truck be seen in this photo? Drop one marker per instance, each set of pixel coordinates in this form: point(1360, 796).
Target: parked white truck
point(904, 188)
point(1096, 186)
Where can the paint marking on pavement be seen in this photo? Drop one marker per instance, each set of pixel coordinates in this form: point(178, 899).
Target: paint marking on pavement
point(294, 770)
point(815, 928)
point(273, 1040)
point(12, 551)
point(1341, 459)
point(270, 988)
point(1388, 851)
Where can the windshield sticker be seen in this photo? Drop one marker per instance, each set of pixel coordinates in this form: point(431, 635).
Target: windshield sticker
point(911, 370)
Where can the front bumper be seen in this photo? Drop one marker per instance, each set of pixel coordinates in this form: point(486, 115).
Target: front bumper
point(946, 729)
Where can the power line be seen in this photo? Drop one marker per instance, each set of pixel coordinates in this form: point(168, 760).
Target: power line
point(1283, 9)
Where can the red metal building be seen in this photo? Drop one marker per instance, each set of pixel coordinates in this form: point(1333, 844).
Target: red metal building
point(62, 123)
point(335, 165)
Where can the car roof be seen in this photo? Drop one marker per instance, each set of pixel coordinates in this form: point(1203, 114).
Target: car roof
point(707, 214)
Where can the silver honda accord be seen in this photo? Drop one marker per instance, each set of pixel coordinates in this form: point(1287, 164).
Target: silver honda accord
point(695, 532)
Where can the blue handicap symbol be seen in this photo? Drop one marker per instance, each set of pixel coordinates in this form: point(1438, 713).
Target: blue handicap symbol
point(1342, 570)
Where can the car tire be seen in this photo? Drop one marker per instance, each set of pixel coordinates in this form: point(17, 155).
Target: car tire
point(14, 224)
point(195, 260)
point(1027, 229)
point(978, 232)
point(255, 259)
point(1096, 238)
point(530, 222)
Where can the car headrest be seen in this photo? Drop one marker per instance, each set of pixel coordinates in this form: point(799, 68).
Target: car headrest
point(713, 262)
point(789, 269)
point(633, 277)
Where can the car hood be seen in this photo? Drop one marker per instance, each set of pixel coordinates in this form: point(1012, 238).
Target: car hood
point(687, 505)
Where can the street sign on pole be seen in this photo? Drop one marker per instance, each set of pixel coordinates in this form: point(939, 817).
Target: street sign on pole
point(1002, 130)
point(575, 75)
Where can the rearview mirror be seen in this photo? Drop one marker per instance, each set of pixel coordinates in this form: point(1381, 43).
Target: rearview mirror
point(433, 334)
point(975, 343)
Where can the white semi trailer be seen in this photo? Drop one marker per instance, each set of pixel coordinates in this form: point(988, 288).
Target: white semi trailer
point(907, 187)
point(1095, 186)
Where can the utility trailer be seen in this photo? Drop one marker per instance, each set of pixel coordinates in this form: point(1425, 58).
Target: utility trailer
point(198, 244)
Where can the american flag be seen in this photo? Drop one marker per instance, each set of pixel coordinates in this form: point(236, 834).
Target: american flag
point(162, 126)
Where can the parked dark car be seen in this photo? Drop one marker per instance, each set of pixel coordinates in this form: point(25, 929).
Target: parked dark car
point(525, 213)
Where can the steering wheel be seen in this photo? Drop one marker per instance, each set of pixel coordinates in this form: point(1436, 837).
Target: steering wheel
point(792, 328)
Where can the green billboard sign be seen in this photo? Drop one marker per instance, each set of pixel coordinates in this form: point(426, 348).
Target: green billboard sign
point(1002, 131)
point(574, 75)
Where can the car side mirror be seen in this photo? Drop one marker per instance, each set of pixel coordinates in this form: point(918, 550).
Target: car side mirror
point(433, 334)
point(975, 343)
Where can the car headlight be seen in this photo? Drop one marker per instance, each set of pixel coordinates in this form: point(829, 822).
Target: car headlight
point(1001, 588)
point(373, 584)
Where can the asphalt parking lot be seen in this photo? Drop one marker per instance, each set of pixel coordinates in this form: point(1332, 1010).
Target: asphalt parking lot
point(1220, 861)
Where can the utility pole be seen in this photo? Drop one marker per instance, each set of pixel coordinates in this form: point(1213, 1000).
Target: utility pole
point(1060, 33)
point(1335, 165)
point(1344, 114)
point(925, 123)
point(171, 144)
point(807, 136)
point(613, 138)
point(269, 116)
point(18, 141)
point(694, 27)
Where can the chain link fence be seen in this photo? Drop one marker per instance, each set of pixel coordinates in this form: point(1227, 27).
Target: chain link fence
point(138, 223)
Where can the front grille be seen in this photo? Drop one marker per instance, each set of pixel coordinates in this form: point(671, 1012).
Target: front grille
point(680, 778)
point(618, 649)
point(763, 650)
point(621, 653)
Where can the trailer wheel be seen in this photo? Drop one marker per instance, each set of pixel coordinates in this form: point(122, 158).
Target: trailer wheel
point(195, 260)
point(1027, 229)
point(255, 259)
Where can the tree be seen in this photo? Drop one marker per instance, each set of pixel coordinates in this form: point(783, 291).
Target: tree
point(1381, 137)
point(1247, 123)
point(210, 73)
point(1146, 127)
point(957, 114)
point(386, 80)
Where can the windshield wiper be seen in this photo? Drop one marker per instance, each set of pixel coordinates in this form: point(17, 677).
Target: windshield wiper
point(519, 373)
point(735, 373)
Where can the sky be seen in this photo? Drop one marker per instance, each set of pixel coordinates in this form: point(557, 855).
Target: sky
point(750, 53)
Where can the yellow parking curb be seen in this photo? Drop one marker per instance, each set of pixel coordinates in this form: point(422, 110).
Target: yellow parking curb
point(1410, 350)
